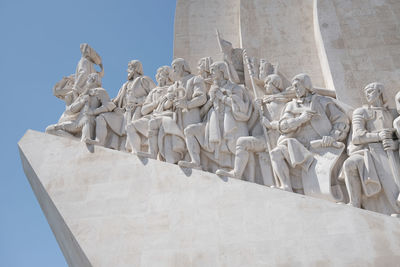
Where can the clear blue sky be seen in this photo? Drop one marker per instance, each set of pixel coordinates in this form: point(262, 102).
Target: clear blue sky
point(39, 45)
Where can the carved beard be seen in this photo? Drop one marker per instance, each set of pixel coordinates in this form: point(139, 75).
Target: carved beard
point(131, 75)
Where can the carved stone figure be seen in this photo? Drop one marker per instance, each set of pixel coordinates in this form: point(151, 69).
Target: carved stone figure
point(93, 101)
point(63, 91)
point(372, 169)
point(157, 105)
point(273, 103)
point(111, 126)
point(396, 123)
point(188, 94)
point(85, 67)
point(203, 68)
point(233, 57)
point(308, 123)
point(229, 110)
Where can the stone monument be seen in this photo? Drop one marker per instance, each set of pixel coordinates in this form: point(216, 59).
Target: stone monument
point(248, 161)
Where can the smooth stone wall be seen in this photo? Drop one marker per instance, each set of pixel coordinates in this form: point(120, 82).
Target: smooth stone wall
point(195, 25)
point(361, 41)
point(115, 209)
point(342, 44)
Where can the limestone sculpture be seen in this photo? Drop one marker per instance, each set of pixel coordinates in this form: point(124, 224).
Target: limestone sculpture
point(272, 107)
point(230, 109)
point(80, 121)
point(86, 66)
point(372, 170)
point(233, 57)
point(309, 125)
point(188, 95)
point(157, 105)
point(292, 138)
point(128, 104)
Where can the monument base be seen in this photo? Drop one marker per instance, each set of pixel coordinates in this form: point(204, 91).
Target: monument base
point(110, 208)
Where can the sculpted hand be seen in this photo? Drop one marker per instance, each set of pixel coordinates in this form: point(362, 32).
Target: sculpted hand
point(170, 96)
point(258, 103)
point(327, 141)
point(385, 134)
point(119, 110)
point(85, 98)
point(389, 144)
point(274, 125)
point(306, 116)
point(266, 123)
point(90, 112)
point(130, 106)
point(219, 94)
point(212, 91)
point(269, 98)
point(181, 103)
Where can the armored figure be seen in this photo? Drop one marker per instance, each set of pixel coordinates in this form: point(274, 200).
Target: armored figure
point(308, 121)
point(230, 109)
point(372, 168)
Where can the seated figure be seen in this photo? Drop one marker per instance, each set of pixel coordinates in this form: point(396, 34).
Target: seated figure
point(226, 121)
point(82, 112)
point(372, 169)
point(157, 105)
point(309, 121)
point(111, 126)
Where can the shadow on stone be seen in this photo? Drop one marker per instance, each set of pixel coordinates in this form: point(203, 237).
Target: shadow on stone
point(143, 160)
point(90, 148)
point(223, 178)
point(186, 171)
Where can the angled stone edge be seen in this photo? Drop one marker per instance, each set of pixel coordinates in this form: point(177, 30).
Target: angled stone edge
point(66, 240)
point(109, 208)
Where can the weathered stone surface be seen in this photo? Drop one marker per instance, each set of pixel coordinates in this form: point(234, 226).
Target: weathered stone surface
point(110, 208)
point(360, 41)
point(282, 32)
point(342, 44)
point(195, 24)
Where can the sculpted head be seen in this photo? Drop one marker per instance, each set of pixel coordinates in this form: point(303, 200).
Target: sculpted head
point(94, 80)
point(265, 69)
point(134, 67)
point(203, 66)
point(219, 71)
point(163, 76)
point(374, 93)
point(180, 68)
point(273, 84)
point(302, 84)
